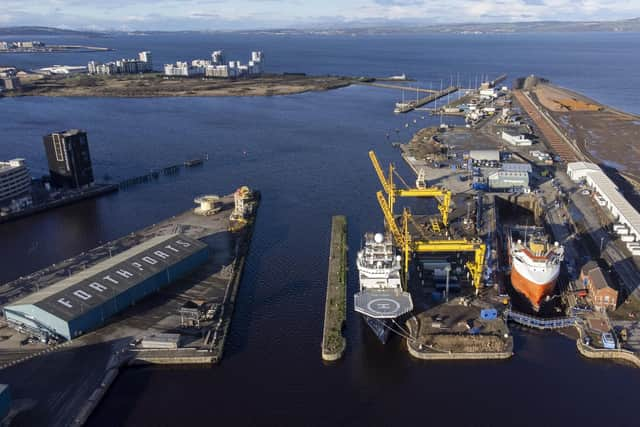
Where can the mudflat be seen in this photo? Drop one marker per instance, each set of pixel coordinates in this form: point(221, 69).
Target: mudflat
point(156, 85)
point(608, 136)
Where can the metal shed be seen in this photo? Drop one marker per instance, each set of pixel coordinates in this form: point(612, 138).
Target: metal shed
point(86, 300)
point(486, 155)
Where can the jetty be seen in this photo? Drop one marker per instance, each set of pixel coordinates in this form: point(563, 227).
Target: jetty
point(335, 312)
point(405, 107)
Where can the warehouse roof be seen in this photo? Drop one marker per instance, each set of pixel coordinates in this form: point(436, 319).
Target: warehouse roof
point(516, 167)
point(94, 286)
point(609, 191)
point(491, 155)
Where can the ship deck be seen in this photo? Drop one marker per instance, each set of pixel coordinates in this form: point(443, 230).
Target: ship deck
point(383, 303)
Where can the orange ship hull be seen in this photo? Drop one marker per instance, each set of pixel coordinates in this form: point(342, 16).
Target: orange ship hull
point(535, 293)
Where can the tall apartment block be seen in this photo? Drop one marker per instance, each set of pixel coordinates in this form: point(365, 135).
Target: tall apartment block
point(69, 158)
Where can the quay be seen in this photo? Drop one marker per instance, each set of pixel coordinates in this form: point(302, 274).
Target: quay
point(184, 322)
point(66, 199)
point(450, 338)
point(335, 312)
point(405, 107)
point(96, 190)
point(396, 86)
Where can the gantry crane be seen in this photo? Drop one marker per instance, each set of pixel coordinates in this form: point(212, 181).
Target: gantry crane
point(408, 245)
point(443, 195)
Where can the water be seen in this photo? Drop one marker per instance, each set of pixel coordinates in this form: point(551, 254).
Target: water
point(308, 155)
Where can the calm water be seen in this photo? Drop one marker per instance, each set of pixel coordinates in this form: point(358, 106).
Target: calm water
point(308, 155)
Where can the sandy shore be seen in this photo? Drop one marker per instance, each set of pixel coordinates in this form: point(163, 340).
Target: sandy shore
point(155, 85)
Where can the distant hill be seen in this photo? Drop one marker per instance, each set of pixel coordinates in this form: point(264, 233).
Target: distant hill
point(627, 25)
point(377, 26)
point(45, 31)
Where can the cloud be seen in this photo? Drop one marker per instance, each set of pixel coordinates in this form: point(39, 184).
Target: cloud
point(255, 14)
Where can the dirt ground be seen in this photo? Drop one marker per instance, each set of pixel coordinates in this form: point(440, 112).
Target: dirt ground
point(608, 136)
point(155, 85)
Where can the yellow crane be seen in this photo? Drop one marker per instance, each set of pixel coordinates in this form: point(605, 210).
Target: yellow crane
point(443, 195)
point(404, 241)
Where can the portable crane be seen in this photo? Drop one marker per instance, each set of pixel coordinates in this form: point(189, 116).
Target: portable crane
point(403, 240)
point(443, 195)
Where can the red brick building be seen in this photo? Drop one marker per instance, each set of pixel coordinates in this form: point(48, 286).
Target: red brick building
point(603, 296)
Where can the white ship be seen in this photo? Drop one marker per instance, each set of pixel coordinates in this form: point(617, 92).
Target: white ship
point(381, 297)
point(535, 264)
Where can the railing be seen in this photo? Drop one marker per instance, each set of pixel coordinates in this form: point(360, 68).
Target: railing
point(540, 323)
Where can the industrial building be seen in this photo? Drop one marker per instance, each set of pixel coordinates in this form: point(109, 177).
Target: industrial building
point(516, 167)
point(593, 278)
point(86, 300)
point(518, 140)
point(15, 180)
point(484, 155)
point(614, 201)
point(505, 180)
point(69, 158)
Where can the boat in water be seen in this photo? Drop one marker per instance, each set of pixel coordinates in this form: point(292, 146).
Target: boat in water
point(535, 263)
point(382, 298)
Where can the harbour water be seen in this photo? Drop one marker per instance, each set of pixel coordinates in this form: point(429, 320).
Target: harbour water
point(308, 156)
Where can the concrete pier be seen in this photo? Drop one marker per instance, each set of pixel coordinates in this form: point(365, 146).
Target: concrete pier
point(335, 312)
point(412, 105)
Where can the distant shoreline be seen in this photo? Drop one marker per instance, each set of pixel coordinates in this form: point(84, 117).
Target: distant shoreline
point(153, 85)
point(59, 49)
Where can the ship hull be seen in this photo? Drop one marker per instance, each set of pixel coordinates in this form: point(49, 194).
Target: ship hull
point(534, 292)
point(379, 327)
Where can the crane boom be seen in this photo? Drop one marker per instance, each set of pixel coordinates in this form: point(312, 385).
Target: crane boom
point(391, 222)
point(442, 195)
point(383, 180)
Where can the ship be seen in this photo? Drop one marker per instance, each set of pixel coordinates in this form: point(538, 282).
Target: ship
point(382, 298)
point(535, 263)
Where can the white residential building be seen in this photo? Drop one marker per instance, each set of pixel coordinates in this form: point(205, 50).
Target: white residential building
point(15, 180)
point(182, 69)
point(217, 57)
point(123, 66)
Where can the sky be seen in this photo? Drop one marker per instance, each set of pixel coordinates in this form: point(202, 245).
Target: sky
point(264, 14)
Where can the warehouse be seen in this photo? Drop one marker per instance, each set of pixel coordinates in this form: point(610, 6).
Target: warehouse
point(506, 180)
point(484, 155)
point(619, 207)
point(86, 300)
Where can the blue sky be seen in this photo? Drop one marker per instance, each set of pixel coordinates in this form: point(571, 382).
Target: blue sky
point(255, 14)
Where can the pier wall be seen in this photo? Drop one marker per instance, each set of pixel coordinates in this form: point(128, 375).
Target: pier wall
point(335, 313)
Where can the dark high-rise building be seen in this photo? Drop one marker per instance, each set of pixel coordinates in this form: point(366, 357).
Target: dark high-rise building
point(69, 158)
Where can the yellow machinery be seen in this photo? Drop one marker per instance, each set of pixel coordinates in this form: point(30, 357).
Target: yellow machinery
point(393, 192)
point(407, 244)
